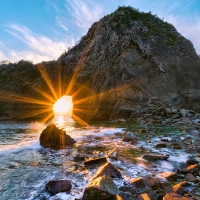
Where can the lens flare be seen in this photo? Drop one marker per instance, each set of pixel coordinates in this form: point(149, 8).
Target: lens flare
point(63, 106)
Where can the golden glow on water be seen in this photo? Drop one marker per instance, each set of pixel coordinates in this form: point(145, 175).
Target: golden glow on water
point(63, 106)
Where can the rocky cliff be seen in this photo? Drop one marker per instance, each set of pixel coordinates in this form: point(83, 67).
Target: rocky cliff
point(128, 63)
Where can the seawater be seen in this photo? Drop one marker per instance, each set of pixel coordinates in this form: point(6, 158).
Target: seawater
point(25, 166)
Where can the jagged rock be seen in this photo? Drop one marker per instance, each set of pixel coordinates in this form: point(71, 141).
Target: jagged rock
point(190, 177)
point(138, 183)
point(170, 176)
point(175, 145)
point(95, 161)
point(140, 59)
point(187, 140)
point(78, 158)
point(55, 187)
point(192, 161)
point(144, 196)
point(101, 188)
point(55, 138)
point(174, 196)
point(153, 157)
point(194, 169)
point(129, 137)
point(109, 170)
point(183, 187)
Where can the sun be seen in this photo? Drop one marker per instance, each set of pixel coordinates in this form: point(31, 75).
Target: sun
point(63, 106)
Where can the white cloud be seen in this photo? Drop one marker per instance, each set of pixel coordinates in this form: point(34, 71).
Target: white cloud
point(40, 48)
point(189, 29)
point(85, 13)
point(61, 23)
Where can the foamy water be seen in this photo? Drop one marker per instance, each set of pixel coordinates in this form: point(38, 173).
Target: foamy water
point(26, 167)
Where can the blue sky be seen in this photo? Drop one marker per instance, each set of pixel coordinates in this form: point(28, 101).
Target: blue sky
point(40, 30)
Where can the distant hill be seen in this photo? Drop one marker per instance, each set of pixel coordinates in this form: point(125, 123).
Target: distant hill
point(128, 63)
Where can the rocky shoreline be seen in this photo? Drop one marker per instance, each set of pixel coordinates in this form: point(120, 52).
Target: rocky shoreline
point(140, 149)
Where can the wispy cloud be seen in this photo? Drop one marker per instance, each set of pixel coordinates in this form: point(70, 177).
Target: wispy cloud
point(39, 47)
point(84, 12)
point(189, 29)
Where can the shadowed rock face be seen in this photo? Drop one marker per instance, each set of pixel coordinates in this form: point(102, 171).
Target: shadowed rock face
point(127, 62)
point(55, 138)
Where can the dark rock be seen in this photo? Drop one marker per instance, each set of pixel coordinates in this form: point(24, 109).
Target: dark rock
point(161, 145)
point(170, 176)
point(134, 142)
point(144, 196)
point(101, 188)
point(175, 145)
point(174, 196)
point(129, 137)
point(198, 149)
point(152, 182)
point(194, 169)
point(55, 187)
point(78, 158)
point(143, 131)
point(55, 138)
point(153, 157)
point(190, 177)
point(183, 167)
point(109, 170)
point(175, 139)
point(138, 183)
point(187, 140)
point(192, 161)
point(95, 161)
point(183, 187)
point(191, 150)
point(164, 139)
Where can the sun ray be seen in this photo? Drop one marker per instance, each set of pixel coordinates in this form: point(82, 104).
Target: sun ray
point(17, 98)
point(46, 78)
point(47, 117)
point(79, 120)
point(37, 89)
point(38, 112)
point(77, 102)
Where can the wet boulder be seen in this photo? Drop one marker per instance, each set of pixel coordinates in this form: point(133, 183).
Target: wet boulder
point(109, 170)
point(170, 176)
point(170, 196)
point(154, 157)
point(55, 187)
point(129, 136)
point(101, 188)
point(161, 145)
point(96, 161)
point(144, 196)
point(138, 183)
point(55, 138)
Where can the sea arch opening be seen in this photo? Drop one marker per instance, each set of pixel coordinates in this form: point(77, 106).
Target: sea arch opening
point(63, 106)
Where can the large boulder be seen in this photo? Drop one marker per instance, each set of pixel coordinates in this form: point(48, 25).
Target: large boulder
point(101, 188)
point(55, 138)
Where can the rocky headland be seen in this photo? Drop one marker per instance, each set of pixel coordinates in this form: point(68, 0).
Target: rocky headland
point(129, 64)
